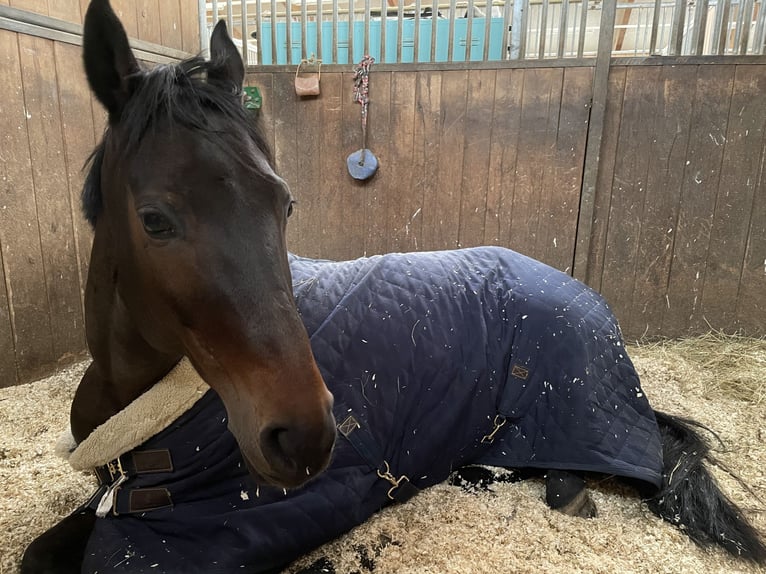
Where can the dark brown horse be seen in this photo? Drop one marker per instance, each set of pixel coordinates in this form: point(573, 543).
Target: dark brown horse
point(189, 258)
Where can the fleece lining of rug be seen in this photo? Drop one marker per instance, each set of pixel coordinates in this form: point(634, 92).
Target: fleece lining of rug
point(446, 529)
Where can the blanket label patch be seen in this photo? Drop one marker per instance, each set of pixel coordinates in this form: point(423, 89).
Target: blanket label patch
point(520, 372)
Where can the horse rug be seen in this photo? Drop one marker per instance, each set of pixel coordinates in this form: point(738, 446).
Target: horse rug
point(436, 360)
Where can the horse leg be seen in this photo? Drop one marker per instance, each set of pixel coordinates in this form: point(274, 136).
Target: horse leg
point(565, 491)
point(61, 549)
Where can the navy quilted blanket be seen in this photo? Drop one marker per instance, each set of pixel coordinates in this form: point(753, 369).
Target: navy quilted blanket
point(436, 360)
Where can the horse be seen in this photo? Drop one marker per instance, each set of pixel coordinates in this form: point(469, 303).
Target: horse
point(245, 404)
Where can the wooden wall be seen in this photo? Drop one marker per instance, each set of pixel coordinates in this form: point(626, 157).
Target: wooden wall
point(496, 157)
point(49, 124)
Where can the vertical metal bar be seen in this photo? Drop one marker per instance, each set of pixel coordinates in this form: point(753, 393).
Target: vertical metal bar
point(304, 23)
point(719, 7)
point(351, 32)
point(204, 34)
point(593, 146)
point(215, 12)
point(677, 32)
point(544, 28)
point(487, 21)
point(366, 27)
point(230, 16)
point(518, 25)
point(383, 26)
point(318, 19)
point(274, 59)
point(469, 30)
point(258, 30)
point(416, 54)
point(746, 19)
point(584, 28)
point(334, 31)
point(655, 27)
point(737, 26)
point(451, 41)
point(760, 30)
point(289, 30)
point(507, 23)
point(700, 24)
point(245, 55)
point(563, 27)
point(434, 28)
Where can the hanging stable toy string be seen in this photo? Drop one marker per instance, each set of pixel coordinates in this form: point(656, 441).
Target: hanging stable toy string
point(362, 164)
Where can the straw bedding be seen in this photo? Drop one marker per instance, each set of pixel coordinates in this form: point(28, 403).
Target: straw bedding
point(720, 381)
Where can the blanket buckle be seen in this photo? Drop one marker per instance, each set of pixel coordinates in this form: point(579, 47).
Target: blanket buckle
point(498, 422)
point(109, 498)
point(396, 482)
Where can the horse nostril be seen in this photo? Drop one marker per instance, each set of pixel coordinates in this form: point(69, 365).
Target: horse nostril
point(295, 449)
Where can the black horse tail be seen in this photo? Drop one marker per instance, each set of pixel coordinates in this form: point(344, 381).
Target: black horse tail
point(691, 498)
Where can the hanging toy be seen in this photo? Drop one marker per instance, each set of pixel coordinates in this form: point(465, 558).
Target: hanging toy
point(362, 164)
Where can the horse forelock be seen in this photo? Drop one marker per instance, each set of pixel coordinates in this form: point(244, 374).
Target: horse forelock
point(182, 95)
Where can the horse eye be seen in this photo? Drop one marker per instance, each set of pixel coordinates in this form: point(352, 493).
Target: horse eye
point(290, 208)
point(157, 225)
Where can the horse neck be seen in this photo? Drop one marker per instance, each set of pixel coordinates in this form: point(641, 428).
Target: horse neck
point(124, 364)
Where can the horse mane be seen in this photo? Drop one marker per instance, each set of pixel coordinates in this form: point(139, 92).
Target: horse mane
point(185, 94)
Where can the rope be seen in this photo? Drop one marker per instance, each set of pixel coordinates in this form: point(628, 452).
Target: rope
point(362, 95)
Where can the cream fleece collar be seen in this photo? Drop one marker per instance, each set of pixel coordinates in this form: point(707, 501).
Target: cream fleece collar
point(149, 414)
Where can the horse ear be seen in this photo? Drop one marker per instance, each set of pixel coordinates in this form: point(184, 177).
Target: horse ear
point(227, 63)
point(108, 58)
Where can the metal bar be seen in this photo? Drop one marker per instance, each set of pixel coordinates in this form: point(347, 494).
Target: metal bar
point(543, 28)
point(245, 55)
point(584, 27)
point(563, 27)
point(204, 34)
point(469, 30)
point(334, 32)
point(581, 258)
point(416, 54)
point(518, 25)
point(214, 12)
point(351, 57)
point(259, 30)
point(677, 31)
point(451, 42)
point(230, 17)
point(319, 18)
point(366, 27)
point(304, 24)
point(383, 26)
point(744, 22)
point(721, 15)
point(288, 30)
point(698, 30)
point(655, 26)
point(434, 28)
point(487, 21)
point(507, 23)
point(273, 16)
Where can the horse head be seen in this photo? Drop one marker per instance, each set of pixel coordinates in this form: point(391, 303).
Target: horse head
point(190, 236)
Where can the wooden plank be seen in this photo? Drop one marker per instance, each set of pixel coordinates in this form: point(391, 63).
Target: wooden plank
point(335, 98)
point(286, 149)
point(662, 198)
point(54, 209)
point(602, 197)
point(540, 103)
point(560, 201)
point(309, 175)
point(501, 183)
point(170, 24)
point(148, 21)
point(68, 10)
point(441, 221)
point(267, 114)
point(628, 191)
point(751, 305)
point(79, 140)
point(739, 176)
point(477, 142)
point(404, 199)
point(36, 6)
point(8, 374)
point(390, 176)
point(190, 39)
point(19, 235)
point(127, 12)
point(425, 152)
